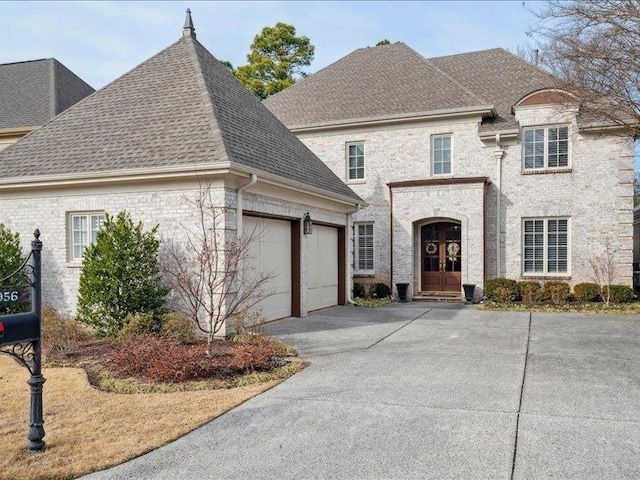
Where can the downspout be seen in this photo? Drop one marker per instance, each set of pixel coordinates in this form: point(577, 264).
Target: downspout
point(252, 181)
point(498, 154)
point(348, 249)
point(390, 237)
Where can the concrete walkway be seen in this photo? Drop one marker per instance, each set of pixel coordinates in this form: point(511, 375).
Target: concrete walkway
point(430, 391)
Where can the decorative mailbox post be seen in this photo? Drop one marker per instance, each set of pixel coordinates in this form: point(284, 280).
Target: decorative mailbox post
point(20, 333)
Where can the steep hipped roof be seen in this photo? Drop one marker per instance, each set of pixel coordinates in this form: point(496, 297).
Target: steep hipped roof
point(180, 107)
point(499, 76)
point(369, 83)
point(33, 92)
point(394, 79)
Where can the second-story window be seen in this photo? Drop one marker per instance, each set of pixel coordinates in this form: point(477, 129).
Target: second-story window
point(441, 154)
point(546, 148)
point(355, 161)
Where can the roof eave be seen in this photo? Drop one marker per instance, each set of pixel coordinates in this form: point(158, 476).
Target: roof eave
point(6, 132)
point(483, 110)
point(276, 180)
point(167, 173)
point(112, 177)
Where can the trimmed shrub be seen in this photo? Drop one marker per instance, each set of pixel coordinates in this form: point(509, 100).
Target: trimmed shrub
point(358, 290)
point(175, 326)
point(622, 294)
point(557, 292)
point(120, 276)
point(501, 290)
point(380, 290)
point(530, 291)
point(137, 324)
point(587, 292)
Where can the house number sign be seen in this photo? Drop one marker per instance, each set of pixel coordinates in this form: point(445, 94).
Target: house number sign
point(13, 295)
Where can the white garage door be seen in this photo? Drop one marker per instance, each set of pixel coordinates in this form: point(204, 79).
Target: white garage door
point(322, 267)
point(272, 254)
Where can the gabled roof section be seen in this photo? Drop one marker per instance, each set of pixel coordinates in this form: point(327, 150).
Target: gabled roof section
point(499, 76)
point(33, 92)
point(370, 83)
point(181, 107)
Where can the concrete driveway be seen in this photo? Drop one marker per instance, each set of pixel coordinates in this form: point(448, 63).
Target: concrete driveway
point(430, 391)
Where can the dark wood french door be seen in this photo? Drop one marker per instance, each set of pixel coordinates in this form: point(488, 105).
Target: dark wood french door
point(441, 259)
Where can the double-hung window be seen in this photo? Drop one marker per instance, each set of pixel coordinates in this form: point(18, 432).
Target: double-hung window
point(546, 148)
point(355, 161)
point(83, 232)
point(546, 246)
point(441, 154)
point(364, 248)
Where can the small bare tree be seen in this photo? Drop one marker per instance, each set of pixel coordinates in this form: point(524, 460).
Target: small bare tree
point(211, 275)
point(604, 269)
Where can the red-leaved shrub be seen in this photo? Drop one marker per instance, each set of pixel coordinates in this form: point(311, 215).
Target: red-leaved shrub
point(165, 360)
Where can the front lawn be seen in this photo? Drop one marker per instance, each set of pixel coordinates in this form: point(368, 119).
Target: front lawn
point(107, 401)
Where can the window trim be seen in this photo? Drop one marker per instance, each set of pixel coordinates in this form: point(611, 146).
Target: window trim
point(347, 166)
point(70, 241)
point(356, 250)
point(432, 150)
point(545, 273)
point(546, 168)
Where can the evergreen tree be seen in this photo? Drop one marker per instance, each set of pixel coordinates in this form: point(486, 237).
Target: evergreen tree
point(11, 258)
point(120, 276)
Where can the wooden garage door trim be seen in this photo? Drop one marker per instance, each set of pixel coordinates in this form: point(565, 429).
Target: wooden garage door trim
point(296, 265)
point(342, 260)
point(296, 298)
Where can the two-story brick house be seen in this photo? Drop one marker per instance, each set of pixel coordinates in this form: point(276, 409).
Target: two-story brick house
point(474, 166)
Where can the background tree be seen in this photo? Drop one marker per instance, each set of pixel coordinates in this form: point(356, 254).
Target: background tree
point(11, 258)
point(383, 42)
point(276, 61)
point(594, 47)
point(211, 274)
point(120, 276)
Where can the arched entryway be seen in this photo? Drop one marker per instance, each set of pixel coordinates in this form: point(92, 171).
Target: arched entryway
point(441, 257)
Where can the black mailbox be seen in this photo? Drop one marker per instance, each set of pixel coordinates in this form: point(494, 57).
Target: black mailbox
point(19, 328)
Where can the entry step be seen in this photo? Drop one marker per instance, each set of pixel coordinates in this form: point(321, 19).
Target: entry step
point(451, 297)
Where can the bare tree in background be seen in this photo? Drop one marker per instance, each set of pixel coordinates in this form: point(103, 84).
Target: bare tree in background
point(594, 47)
point(604, 269)
point(211, 273)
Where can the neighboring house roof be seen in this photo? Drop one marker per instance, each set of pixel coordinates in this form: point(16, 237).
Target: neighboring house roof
point(372, 82)
point(33, 92)
point(394, 79)
point(181, 107)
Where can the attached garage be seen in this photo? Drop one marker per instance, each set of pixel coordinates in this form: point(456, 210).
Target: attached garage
point(322, 267)
point(272, 254)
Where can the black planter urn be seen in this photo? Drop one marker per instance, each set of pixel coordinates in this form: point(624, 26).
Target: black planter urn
point(402, 291)
point(469, 288)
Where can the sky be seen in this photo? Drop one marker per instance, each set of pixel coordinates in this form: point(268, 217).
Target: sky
point(99, 41)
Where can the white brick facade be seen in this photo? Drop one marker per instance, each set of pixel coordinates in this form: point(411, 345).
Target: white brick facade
point(594, 193)
point(166, 204)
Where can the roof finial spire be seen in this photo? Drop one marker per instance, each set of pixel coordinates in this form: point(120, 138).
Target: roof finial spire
point(188, 30)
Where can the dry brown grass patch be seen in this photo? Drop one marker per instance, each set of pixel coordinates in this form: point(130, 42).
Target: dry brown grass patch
point(89, 430)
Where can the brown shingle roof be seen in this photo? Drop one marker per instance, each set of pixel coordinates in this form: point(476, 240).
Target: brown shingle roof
point(499, 76)
point(180, 107)
point(33, 92)
point(368, 83)
point(394, 79)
